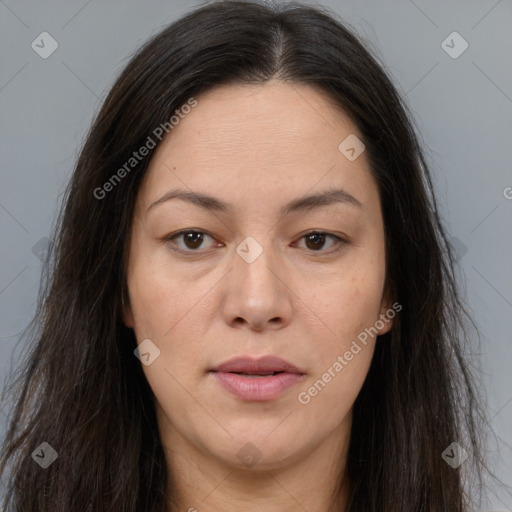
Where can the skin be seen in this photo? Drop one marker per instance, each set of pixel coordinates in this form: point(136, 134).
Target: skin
point(256, 148)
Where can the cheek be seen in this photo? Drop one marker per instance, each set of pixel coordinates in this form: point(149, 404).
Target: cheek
point(161, 297)
point(165, 309)
point(342, 308)
point(168, 311)
point(348, 306)
point(344, 347)
point(331, 394)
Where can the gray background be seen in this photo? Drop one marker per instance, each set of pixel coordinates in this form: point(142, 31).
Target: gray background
point(462, 107)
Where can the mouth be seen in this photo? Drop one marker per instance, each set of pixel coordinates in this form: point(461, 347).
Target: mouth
point(264, 366)
point(257, 380)
point(254, 375)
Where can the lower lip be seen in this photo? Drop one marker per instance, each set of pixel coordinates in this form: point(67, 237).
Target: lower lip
point(257, 389)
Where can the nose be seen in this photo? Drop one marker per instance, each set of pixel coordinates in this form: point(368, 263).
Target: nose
point(256, 294)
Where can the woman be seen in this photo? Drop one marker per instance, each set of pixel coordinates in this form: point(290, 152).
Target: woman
point(251, 300)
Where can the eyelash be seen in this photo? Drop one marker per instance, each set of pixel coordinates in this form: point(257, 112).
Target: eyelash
point(169, 240)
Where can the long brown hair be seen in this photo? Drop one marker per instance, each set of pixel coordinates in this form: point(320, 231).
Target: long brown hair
point(81, 390)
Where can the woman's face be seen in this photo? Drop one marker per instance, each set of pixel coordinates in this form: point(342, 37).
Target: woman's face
point(273, 272)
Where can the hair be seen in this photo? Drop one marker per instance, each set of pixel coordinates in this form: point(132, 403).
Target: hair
point(80, 388)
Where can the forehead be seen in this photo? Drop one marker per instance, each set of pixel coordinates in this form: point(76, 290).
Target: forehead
point(275, 116)
point(242, 140)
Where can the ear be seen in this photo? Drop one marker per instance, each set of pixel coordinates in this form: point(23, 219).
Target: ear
point(386, 314)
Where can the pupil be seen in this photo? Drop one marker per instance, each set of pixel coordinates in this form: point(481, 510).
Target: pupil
point(316, 238)
point(191, 238)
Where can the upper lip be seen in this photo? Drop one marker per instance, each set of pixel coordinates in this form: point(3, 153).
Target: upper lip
point(256, 366)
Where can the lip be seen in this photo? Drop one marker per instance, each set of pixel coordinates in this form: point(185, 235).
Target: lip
point(257, 389)
point(251, 365)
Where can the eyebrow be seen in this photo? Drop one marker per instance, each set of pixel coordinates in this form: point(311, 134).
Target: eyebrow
point(305, 203)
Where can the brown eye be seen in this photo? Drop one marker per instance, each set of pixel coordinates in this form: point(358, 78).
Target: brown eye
point(193, 239)
point(190, 240)
point(315, 241)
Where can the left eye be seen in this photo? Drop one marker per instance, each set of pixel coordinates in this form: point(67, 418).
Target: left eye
point(192, 240)
point(315, 240)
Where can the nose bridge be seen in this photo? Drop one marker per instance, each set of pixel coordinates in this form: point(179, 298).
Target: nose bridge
point(256, 293)
point(257, 265)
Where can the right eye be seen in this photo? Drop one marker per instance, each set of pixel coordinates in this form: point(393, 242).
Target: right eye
point(191, 240)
